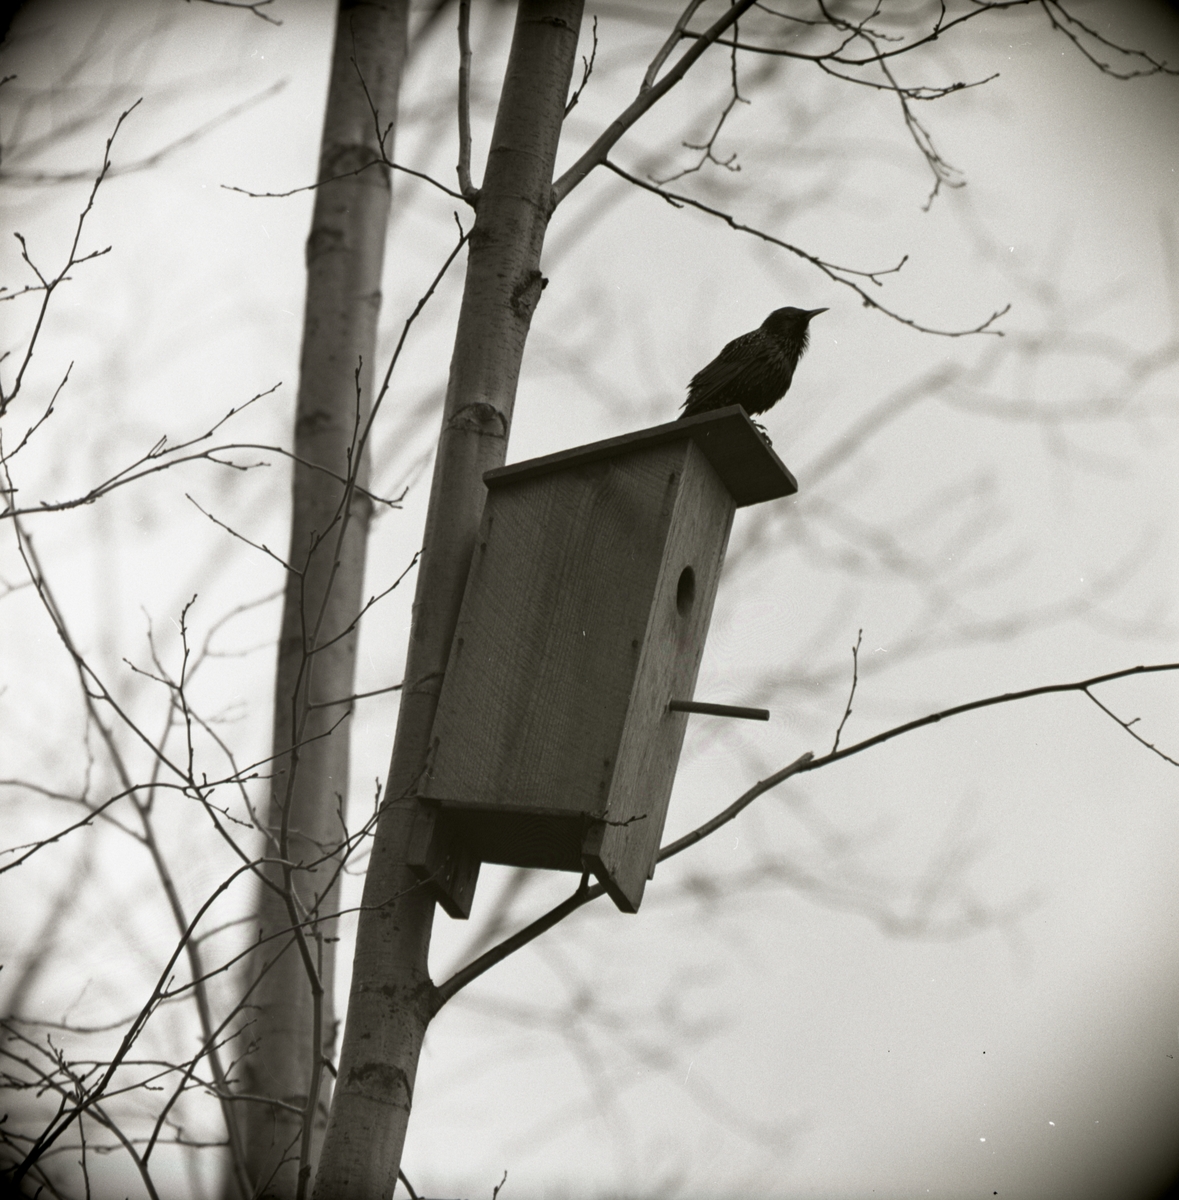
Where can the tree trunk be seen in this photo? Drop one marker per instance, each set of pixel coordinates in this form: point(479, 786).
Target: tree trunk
point(392, 1001)
point(293, 1019)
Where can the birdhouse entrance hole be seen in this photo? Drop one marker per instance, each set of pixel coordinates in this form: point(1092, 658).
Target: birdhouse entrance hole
point(587, 604)
point(685, 591)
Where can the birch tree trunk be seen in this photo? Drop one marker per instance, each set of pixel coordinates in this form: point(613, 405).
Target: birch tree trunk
point(392, 997)
point(293, 1019)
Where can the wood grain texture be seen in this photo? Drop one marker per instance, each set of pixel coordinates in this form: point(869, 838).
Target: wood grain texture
point(586, 610)
point(550, 636)
point(741, 456)
point(441, 858)
point(621, 852)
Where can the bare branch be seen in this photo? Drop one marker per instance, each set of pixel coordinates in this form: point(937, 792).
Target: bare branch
point(251, 6)
point(73, 259)
point(1067, 24)
point(943, 172)
point(854, 30)
point(376, 162)
point(805, 762)
point(130, 474)
point(32, 429)
point(286, 566)
point(31, 848)
point(596, 154)
point(1049, 689)
point(1126, 726)
point(37, 178)
point(833, 271)
point(706, 147)
point(587, 69)
point(510, 945)
point(742, 802)
point(413, 316)
point(393, 687)
point(352, 624)
point(585, 893)
point(673, 40)
point(88, 1097)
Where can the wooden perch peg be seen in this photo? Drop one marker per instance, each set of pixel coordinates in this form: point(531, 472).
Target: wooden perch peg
point(718, 710)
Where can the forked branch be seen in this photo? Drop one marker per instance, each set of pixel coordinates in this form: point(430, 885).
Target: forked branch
point(846, 276)
point(648, 96)
point(805, 762)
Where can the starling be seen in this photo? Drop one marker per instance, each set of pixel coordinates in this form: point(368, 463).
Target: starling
point(755, 369)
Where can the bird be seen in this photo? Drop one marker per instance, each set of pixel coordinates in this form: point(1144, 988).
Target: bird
point(755, 369)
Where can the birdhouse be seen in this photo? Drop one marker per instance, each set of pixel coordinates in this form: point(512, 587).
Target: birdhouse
point(585, 613)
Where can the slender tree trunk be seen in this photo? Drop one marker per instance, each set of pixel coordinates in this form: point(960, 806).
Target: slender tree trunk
point(392, 1000)
point(293, 1018)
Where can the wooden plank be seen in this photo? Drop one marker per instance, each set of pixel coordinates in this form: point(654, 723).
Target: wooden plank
point(550, 636)
point(743, 459)
point(622, 852)
point(440, 858)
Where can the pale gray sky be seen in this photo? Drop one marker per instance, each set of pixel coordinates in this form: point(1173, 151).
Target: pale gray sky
point(786, 1016)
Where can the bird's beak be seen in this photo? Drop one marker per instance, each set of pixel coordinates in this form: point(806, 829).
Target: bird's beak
point(814, 312)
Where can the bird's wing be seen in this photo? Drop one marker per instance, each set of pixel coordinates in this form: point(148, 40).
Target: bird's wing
point(712, 381)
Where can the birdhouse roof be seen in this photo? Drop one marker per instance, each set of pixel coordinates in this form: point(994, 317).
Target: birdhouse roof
point(744, 460)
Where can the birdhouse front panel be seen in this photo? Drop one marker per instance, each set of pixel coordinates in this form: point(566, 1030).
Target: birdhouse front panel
point(587, 604)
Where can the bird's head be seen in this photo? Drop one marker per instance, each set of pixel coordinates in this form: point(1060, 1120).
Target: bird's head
point(790, 322)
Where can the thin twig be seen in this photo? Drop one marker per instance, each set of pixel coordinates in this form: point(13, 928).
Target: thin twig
point(936, 33)
point(48, 286)
point(1154, 66)
point(40, 178)
point(32, 848)
point(739, 805)
point(133, 474)
point(413, 316)
point(647, 98)
point(586, 893)
point(587, 69)
point(251, 6)
point(668, 46)
point(833, 271)
point(851, 694)
point(1080, 685)
point(92, 1094)
point(5, 455)
point(510, 945)
point(311, 187)
point(805, 762)
point(393, 687)
point(706, 147)
point(286, 566)
point(1126, 726)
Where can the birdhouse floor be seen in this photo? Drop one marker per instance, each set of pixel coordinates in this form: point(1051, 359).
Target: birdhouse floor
point(521, 839)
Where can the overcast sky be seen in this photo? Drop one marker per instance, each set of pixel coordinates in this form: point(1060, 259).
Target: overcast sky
point(946, 967)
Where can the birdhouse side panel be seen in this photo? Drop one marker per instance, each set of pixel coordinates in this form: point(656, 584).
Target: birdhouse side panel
point(549, 636)
point(623, 850)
